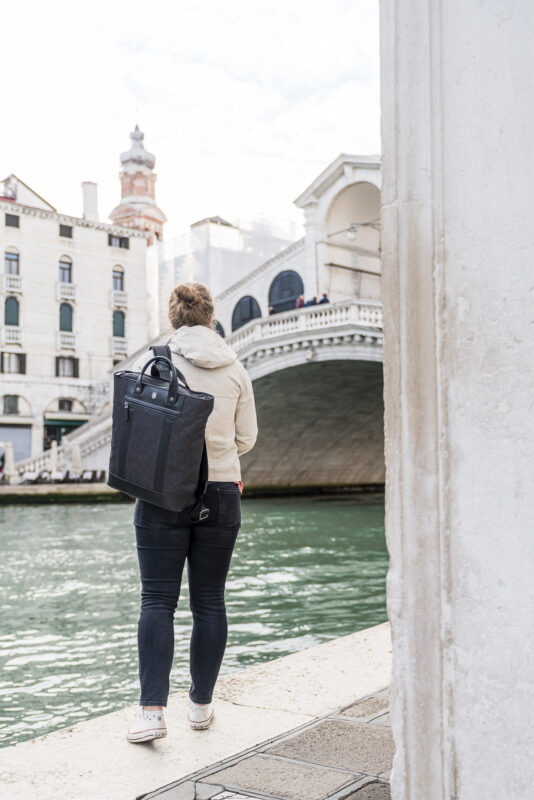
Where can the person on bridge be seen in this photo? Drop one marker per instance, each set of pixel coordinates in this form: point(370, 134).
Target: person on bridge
point(299, 302)
point(167, 539)
point(324, 298)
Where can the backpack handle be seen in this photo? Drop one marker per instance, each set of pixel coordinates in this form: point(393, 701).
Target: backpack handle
point(172, 394)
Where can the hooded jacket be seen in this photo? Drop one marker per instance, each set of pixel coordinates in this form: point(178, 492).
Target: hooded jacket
point(210, 365)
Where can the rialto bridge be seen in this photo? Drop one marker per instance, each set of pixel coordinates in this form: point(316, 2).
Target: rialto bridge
point(317, 377)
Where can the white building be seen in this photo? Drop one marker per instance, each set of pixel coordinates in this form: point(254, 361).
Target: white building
point(73, 299)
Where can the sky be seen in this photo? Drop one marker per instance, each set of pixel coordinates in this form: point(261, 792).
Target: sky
point(243, 102)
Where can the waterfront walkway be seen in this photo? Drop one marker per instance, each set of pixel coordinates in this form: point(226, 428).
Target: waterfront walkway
point(290, 728)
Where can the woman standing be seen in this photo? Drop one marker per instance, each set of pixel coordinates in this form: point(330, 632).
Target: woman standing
point(167, 539)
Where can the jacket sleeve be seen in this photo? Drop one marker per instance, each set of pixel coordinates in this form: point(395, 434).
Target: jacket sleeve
point(246, 424)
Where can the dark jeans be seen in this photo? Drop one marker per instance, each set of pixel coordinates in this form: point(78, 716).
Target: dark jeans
point(164, 540)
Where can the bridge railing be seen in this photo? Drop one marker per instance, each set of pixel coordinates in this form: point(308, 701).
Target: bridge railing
point(367, 313)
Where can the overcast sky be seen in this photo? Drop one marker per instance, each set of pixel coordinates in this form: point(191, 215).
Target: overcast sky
point(243, 102)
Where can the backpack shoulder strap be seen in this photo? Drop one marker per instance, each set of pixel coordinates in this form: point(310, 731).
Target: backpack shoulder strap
point(160, 350)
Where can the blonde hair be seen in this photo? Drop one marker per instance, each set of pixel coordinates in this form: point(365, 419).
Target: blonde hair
point(191, 304)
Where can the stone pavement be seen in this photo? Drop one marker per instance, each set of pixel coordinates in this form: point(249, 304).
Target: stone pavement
point(344, 755)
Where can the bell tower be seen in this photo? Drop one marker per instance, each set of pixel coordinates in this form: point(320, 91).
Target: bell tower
point(138, 208)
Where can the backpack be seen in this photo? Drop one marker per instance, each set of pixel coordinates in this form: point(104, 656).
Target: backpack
point(158, 448)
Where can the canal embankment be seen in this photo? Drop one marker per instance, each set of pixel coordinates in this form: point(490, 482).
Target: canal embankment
point(92, 760)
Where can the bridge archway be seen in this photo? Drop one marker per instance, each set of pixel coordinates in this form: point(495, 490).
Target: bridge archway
point(320, 424)
point(352, 236)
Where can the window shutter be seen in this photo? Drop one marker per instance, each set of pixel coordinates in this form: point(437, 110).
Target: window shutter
point(57, 366)
point(22, 363)
point(1, 362)
point(75, 370)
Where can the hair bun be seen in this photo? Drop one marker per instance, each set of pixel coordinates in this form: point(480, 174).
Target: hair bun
point(187, 295)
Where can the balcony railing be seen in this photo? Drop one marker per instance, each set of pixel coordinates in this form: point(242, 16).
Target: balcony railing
point(11, 334)
point(12, 283)
point(119, 346)
point(66, 291)
point(66, 340)
point(119, 299)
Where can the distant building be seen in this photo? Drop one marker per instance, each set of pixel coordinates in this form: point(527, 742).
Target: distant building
point(73, 303)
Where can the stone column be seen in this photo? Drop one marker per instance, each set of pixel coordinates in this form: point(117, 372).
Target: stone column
point(458, 286)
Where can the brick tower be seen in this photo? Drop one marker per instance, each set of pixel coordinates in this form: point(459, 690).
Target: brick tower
point(138, 208)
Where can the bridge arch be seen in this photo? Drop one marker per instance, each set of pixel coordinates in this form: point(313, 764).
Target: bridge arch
point(301, 442)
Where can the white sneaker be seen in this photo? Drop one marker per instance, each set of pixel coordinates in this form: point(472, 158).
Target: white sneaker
point(147, 726)
point(200, 714)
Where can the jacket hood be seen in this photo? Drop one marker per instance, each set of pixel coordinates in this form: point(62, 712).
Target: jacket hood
point(201, 346)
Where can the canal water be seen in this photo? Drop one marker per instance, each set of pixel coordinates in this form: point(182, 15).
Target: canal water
point(304, 570)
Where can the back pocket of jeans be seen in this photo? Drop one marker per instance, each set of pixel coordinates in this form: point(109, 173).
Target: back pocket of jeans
point(229, 506)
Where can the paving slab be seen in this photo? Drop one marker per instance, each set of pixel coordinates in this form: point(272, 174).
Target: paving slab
point(371, 791)
point(281, 778)
point(365, 709)
point(336, 743)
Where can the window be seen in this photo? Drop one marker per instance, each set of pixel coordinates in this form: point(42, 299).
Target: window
point(11, 404)
point(246, 309)
point(67, 367)
point(13, 220)
point(285, 289)
point(118, 323)
point(65, 317)
point(64, 404)
point(11, 263)
point(11, 311)
point(219, 328)
point(118, 280)
point(118, 241)
point(65, 230)
point(65, 271)
point(13, 362)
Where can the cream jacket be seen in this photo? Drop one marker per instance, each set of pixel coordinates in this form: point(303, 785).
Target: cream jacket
point(210, 365)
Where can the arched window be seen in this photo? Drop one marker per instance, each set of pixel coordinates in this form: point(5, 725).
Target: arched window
point(65, 317)
point(11, 262)
point(65, 270)
point(118, 279)
point(246, 309)
point(118, 323)
point(285, 289)
point(219, 328)
point(11, 311)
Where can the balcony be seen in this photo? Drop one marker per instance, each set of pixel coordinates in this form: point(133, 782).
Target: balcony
point(13, 283)
point(11, 334)
point(66, 340)
point(119, 346)
point(66, 291)
point(119, 299)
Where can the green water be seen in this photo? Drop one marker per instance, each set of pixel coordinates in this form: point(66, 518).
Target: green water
point(304, 570)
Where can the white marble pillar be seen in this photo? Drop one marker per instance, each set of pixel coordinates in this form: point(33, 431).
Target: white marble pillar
point(458, 288)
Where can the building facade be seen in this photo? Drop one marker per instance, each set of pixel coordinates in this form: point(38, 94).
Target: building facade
point(73, 302)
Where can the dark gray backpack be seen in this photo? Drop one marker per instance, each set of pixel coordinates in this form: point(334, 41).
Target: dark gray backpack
point(158, 447)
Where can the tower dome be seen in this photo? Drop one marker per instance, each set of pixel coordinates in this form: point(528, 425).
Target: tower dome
point(137, 155)
point(138, 208)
